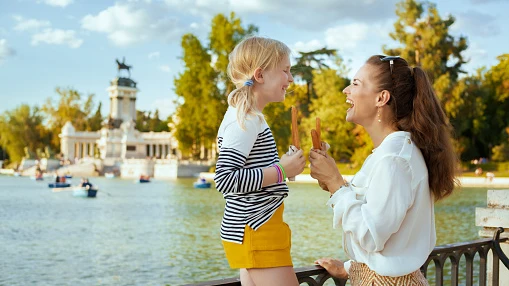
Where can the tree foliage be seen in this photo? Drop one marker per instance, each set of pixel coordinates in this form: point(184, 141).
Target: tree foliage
point(425, 39)
point(202, 109)
point(204, 84)
point(69, 107)
point(225, 34)
point(22, 128)
point(307, 62)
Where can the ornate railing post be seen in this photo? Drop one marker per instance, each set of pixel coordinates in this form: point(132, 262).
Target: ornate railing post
point(495, 215)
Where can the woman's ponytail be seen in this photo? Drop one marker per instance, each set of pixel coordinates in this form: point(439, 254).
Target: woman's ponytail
point(431, 131)
point(417, 110)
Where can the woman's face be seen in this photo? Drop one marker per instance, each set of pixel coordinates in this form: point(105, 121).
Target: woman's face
point(362, 95)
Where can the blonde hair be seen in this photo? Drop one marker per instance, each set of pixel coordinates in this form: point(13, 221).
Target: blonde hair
point(250, 54)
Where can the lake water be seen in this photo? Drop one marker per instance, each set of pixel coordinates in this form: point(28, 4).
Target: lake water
point(161, 233)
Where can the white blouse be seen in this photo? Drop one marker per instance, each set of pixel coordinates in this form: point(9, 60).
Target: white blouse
point(387, 211)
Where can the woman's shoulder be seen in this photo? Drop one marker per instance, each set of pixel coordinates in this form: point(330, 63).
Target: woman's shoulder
point(396, 144)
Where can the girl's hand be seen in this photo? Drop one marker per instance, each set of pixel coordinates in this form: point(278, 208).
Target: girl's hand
point(293, 164)
point(336, 268)
point(324, 169)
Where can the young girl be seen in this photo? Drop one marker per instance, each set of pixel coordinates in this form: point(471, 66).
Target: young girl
point(249, 173)
point(386, 212)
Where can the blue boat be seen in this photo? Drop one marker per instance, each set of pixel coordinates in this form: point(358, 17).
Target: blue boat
point(84, 192)
point(59, 185)
point(202, 185)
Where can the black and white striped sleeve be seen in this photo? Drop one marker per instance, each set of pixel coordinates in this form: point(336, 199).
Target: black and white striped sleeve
point(236, 144)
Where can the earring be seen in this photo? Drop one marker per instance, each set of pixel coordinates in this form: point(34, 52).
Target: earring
point(378, 114)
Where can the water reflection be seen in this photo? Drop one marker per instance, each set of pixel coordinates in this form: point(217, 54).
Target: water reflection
point(165, 232)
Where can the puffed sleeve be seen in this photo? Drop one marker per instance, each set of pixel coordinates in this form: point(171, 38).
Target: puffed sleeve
point(388, 197)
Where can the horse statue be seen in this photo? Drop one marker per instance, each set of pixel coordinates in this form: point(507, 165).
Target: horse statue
point(123, 66)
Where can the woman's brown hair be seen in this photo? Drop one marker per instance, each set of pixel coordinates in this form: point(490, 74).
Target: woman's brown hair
point(417, 110)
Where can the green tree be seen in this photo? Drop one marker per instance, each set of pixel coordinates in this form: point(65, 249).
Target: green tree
point(156, 124)
point(69, 107)
point(23, 128)
point(225, 34)
point(496, 127)
point(426, 41)
point(142, 120)
point(279, 118)
point(201, 112)
point(307, 62)
point(330, 106)
point(467, 114)
point(95, 121)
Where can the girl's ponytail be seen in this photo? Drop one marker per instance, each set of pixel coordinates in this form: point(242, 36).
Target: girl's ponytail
point(242, 99)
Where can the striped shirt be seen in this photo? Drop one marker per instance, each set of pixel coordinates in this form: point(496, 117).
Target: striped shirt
point(243, 154)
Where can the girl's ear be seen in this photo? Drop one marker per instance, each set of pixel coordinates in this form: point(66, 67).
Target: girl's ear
point(383, 98)
point(258, 75)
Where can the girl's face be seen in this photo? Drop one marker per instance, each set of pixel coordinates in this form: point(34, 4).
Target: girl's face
point(362, 94)
point(275, 83)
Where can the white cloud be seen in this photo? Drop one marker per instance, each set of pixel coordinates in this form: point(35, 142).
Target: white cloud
point(307, 46)
point(57, 37)
point(5, 50)
point(346, 37)
point(154, 55)
point(130, 23)
point(165, 68)
point(29, 24)
point(58, 3)
point(323, 12)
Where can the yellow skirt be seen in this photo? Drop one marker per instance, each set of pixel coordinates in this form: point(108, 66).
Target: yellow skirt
point(361, 275)
point(267, 247)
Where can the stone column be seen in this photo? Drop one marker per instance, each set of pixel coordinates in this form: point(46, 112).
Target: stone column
point(495, 215)
point(80, 148)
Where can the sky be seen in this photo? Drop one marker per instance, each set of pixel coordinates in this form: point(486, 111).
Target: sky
point(45, 44)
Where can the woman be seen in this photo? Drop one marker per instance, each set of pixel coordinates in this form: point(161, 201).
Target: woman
point(386, 211)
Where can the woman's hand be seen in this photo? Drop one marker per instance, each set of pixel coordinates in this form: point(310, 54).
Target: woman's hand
point(293, 164)
point(324, 169)
point(324, 146)
point(336, 268)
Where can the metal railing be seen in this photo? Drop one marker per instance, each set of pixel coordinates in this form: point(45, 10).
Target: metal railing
point(317, 276)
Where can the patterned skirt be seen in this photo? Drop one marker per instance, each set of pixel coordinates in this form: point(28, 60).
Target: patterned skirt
point(361, 275)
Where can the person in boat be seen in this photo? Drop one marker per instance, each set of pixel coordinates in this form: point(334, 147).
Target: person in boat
point(85, 183)
point(57, 179)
